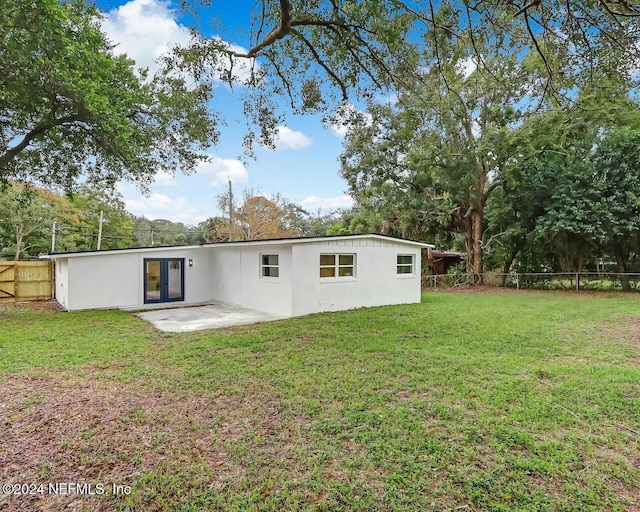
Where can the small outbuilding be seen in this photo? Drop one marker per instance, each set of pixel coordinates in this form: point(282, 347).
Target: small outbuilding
point(287, 277)
point(441, 261)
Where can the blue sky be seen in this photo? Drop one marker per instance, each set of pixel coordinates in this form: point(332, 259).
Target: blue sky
point(304, 167)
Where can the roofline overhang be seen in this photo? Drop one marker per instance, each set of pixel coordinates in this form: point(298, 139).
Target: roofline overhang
point(273, 241)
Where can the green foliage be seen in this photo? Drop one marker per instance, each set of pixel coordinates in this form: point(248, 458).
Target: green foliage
point(84, 219)
point(70, 108)
point(158, 232)
point(426, 169)
point(28, 214)
point(573, 199)
point(319, 54)
point(337, 229)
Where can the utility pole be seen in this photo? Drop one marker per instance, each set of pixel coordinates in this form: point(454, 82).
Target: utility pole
point(100, 229)
point(53, 236)
point(230, 210)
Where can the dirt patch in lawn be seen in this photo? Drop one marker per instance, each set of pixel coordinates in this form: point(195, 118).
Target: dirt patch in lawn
point(492, 290)
point(37, 305)
point(623, 330)
point(479, 289)
point(56, 430)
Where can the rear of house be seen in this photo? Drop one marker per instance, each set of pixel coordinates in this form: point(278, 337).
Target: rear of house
point(287, 277)
point(338, 274)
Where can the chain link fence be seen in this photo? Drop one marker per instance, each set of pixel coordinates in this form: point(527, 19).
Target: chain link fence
point(596, 281)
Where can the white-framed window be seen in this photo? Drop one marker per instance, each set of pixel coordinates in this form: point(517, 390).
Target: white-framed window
point(337, 265)
point(405, 264)
point(269, 265)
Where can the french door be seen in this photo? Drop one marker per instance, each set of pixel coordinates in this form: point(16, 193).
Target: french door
point(163, 280)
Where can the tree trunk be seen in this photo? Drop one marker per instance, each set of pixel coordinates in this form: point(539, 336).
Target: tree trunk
point(478, 218)
point(621, 264)
point(509, 262)
point(473, 221)
point(19, 237)
point(468, 242)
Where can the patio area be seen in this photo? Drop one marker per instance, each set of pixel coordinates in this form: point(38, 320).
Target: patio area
point(211, 316)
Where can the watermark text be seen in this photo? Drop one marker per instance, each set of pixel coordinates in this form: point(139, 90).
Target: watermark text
point(66, 489)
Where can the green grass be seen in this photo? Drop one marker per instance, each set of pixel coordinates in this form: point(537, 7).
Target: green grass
point(513, 401)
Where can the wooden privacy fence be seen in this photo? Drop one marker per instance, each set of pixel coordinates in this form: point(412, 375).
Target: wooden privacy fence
point(25, 280)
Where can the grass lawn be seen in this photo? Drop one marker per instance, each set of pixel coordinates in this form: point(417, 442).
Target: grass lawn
point(468, 401)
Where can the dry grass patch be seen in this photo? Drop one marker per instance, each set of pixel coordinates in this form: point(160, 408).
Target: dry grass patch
point(610, 336)
point(78, 430)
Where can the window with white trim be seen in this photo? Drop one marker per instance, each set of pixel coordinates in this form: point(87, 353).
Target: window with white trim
point(405, 264)
point(269, 265)
point(337, 265)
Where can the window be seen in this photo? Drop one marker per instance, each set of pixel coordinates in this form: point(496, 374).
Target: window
point(337, 265)
point(269, 265)
point(405, 264)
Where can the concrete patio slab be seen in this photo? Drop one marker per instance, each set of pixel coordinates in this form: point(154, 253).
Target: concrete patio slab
point(212, 316)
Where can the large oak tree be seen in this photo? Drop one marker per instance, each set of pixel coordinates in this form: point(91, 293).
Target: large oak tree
point(361, 48)
point(69, 107)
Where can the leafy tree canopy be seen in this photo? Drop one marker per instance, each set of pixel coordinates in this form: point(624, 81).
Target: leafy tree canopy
point(574, 200)
point(365, 47)
point(29, 216)
point(70, 108)
point(257, 217)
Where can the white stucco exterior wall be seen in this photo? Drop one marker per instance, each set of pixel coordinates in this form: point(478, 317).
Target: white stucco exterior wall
point(267, 293)
point(236, 274)
point(62, 281)
point(225, 274)
point(232, 273)
point(376, 282)
point(107, 281)
point(116, 280)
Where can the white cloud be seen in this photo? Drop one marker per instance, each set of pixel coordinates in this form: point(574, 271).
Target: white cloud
point(286, 138)
point(147, 29)
point(390, 99)
point(160, 206)
point(314, 203)
point(144, 30)
point(164, 179)
point(345, 118)
point(466, 67)
point(224, 169)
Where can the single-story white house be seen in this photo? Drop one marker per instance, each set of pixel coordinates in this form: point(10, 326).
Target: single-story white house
point(287, 277)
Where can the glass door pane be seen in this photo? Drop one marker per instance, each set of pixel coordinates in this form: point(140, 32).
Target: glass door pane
point(174, 278)
point(152, 276)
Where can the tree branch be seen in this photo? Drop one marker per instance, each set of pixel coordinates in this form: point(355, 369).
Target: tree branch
point(283, 29)
point(532, 3)
point(535, 43)
point(336, 78)
point(38, 130)
point(488, 192)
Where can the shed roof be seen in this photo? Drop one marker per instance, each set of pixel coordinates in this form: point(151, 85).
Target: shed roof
point(272, 241)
